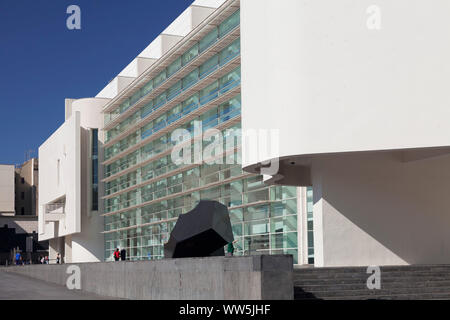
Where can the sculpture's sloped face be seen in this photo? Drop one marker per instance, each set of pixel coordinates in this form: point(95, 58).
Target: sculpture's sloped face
point(202, 232)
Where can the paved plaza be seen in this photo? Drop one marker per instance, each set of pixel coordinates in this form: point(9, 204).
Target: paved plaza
point(17, 287)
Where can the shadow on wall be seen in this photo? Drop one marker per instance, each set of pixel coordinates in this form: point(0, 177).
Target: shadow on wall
point(401, 206)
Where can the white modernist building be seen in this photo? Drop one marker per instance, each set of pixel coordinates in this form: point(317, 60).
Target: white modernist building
point(189, 73)
point(356, 91)
point(359, 92)
point(68, 189)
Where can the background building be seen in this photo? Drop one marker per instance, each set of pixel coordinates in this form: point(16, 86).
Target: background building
point(7, 190)
point(26, 188)
point(18, 228)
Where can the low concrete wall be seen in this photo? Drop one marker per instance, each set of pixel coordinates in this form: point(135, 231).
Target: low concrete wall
point(212, 278)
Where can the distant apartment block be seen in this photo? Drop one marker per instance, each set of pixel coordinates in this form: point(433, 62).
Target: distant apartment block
point(26, 188)
point(7, 190)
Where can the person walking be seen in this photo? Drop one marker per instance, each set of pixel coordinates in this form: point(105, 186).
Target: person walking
point(18, 258)
point(58, 259)
point(123, 255)
point(230, 249)
point(117, 254)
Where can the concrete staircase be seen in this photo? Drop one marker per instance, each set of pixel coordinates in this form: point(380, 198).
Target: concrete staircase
point(397, 282)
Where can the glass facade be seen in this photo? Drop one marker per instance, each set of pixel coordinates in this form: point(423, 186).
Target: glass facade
point(94, 181)
point(145, 191)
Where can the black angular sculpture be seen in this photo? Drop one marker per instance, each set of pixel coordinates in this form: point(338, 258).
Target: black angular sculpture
point(202, 232)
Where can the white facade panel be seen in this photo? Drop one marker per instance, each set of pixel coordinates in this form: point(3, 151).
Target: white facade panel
point(115, 87)
point(333, 83)
point(60, 179)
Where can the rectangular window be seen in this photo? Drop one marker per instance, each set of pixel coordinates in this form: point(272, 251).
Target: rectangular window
point(189, 55)
point(209, 93)
point(230, 52)
point(208, 40)
point(58, 173)
point(209, 66)
point(159, 79)
point(135, 97)
point(229, 23)
point(147, 109)
point(173, 91)
point(124, 106)
point(95, 170)
point(147, 88)
point(230, 80)
point(174, 67)
point(190, 79)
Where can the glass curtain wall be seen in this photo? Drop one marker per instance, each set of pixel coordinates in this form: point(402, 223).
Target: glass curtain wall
point(143, 203)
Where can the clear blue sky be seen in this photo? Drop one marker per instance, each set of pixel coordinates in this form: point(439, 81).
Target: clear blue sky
point(42, 62)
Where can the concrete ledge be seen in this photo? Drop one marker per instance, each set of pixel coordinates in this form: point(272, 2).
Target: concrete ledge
point(212, 278)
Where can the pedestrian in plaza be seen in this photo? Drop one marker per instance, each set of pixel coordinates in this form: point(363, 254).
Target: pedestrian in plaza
point(58, 259)
point(230, 248)
point(117, 255)
point(18, 258)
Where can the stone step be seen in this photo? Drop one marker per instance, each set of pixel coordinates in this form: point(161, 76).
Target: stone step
point(372, 293)
point(390, 275)
point(363, 286)
point(430, 296)
point(397, 282)
point(356, 281)
point(363, 269)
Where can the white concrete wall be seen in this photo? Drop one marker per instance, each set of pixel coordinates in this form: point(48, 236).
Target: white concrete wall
point(90, 111)
point(332, 85)
point(375, 209)
point(114, 87)
point(190, 18)
point(63, 147)
point(158, 47)
point(362, 115)
point(71, 144)
point(136, 67)
point(7, 198)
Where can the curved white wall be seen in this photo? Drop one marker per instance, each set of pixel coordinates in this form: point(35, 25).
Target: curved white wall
point(90, 111)
point(314, 70)
point(362, 116)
